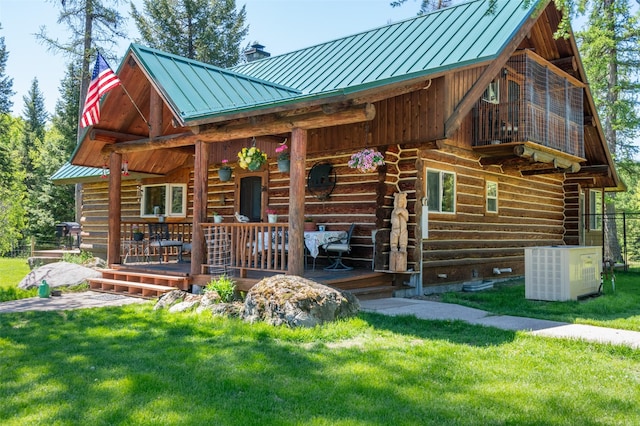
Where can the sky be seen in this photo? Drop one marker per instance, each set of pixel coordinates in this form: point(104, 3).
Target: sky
point(280, 25)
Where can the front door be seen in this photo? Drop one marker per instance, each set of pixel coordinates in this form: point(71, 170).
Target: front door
point(251, 198)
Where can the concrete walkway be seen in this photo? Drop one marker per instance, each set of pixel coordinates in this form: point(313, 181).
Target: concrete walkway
point(80, 300)
point(425, 309)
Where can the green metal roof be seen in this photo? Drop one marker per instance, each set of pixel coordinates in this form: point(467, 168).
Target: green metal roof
point(69, 173)
point(439, 41)
point(194, 88)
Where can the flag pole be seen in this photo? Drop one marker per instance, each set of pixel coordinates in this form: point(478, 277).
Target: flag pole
point(136, 106)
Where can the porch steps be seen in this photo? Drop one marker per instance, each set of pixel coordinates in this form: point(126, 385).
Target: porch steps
point(138, 284)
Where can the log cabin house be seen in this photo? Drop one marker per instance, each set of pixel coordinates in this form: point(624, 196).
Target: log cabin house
point(485, 121)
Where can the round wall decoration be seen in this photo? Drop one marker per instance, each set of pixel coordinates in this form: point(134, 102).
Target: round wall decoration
point(322, 180)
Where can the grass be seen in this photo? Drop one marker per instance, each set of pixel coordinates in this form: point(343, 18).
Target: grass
point(12, 271)
point(133, 365)
point(615, 309)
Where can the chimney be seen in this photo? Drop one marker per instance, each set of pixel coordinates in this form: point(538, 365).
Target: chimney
point(255, 52)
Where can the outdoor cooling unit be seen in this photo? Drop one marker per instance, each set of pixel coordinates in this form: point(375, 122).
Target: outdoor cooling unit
point(560, 273)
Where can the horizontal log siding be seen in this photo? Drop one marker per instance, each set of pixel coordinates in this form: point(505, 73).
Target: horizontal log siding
point(572, 218)
point(530, 212)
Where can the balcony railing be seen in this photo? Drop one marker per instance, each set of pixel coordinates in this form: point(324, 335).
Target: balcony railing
point(531, 101)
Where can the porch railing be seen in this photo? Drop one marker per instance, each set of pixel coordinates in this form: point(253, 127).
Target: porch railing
point(137, 247)
point(245, 246)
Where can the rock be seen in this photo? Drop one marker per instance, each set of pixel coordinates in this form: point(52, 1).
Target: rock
point(297, 301)
point(232, 310)
point(183, 306)
point(169, 299)
point(208, 299)
point(59, 274)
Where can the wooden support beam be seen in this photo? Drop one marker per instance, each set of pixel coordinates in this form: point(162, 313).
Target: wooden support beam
point(115, 180)
point(200, 185)
point(102, 134)
point(541, 156)
point(296, 201)
point(490, 72)
point(253, 126)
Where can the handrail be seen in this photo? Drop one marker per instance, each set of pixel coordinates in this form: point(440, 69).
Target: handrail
point(246, 246)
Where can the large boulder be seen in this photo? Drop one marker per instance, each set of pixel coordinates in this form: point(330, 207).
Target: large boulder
point(59, 274)
point(296, 301)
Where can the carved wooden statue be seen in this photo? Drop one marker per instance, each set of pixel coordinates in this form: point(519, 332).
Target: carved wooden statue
point(399, 233)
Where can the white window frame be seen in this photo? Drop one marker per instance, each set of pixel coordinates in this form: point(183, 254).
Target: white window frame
point(489, 197)
point(436, 207)
point(165, 210)
point(595, 210)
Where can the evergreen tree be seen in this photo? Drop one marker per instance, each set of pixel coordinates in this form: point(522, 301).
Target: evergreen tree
point(6, 83)
point(206, 30)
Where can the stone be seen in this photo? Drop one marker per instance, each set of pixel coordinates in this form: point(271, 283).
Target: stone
point(208, 299)
point(59, 274)
point(169, 299)
point(295, 301)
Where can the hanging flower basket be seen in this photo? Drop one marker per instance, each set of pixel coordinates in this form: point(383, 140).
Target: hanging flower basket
point(251, 158)
point(366, 160)
point(225, 171)
point(284, 162)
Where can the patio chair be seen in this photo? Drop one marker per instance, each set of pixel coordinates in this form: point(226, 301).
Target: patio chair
point(339, 247)
point(160, 237)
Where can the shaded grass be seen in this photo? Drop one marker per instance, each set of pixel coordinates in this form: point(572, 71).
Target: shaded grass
point(616, 309)
point(132, 365)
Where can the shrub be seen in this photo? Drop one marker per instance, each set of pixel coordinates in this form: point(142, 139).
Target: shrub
point(81, 259)
point(224, 286)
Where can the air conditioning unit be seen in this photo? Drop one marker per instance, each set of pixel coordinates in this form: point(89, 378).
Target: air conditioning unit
point(559, 273)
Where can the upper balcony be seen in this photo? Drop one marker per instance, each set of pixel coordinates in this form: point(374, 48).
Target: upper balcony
point(532, 106)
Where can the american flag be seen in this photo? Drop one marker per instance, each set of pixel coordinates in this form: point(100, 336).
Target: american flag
point(102, 80)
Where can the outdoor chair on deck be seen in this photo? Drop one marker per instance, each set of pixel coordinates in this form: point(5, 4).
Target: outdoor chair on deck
point(160, 237)
point(339, 247)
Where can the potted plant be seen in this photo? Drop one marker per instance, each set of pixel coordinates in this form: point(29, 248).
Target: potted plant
point(251, 158)
point(366, 160)
point(309, 223)
point(217, 218)
point(272, 217)
point(284, 162)
point(225, 171)
point(137, 234)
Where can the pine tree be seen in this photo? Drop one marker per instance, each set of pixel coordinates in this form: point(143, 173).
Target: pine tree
point(6, 83)
point(206, 30)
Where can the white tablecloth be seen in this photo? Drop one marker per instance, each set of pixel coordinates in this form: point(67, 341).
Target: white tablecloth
point(313, 240)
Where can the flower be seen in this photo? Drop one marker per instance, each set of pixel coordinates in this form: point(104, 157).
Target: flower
point(281, 150)
point(135, 229)
point(366, 160)
point(270, 211)
point(251, 158)
point(225, 165)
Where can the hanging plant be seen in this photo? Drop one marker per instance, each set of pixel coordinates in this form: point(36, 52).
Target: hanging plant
point(251, 158)
point(366, 160)
point(225, 171)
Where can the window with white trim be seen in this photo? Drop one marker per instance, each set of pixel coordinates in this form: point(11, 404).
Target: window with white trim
point(595, 210)
point(492, 196)
point(441, 191)
point(164, 199)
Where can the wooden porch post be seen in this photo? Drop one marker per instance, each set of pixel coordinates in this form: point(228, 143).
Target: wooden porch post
point(296, 201)
point(200, 183)
point(115, 208)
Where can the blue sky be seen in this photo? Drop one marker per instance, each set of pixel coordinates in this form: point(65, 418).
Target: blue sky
point(280, 25)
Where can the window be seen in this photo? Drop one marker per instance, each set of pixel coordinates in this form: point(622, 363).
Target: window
point(441, 191)
point(492, 93)
point(166, 199)
point(595, 210)
point(492, 197)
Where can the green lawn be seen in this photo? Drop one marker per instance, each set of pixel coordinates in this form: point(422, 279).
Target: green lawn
point(133, 365)
point(12, 271)
point(616, 309)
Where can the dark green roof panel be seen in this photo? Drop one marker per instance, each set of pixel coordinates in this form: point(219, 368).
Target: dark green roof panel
point(439, 41)
point(195, 89)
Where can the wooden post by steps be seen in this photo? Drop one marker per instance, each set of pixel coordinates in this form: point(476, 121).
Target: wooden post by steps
point(115, 208)
point(296, 201)
point(200, 178)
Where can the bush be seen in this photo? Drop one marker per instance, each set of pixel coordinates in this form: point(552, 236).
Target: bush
point(81, 259)
point(224, 286)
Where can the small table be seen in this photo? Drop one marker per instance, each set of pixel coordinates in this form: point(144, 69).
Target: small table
point(160, 244)
point(313, 240)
